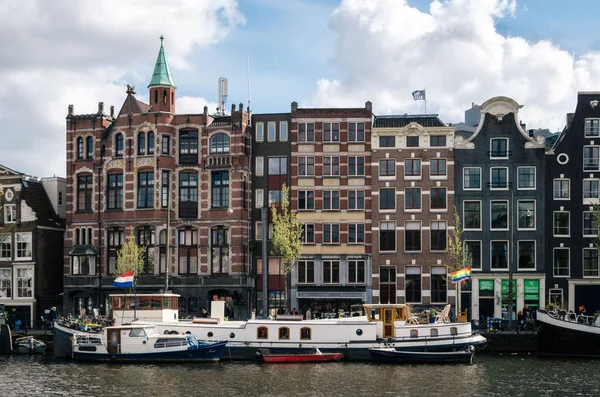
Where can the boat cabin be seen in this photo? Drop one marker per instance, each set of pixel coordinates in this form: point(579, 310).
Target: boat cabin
point(148, 307)
point(388, 314)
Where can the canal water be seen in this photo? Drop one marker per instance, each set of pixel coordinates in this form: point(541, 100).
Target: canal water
point(488, 376)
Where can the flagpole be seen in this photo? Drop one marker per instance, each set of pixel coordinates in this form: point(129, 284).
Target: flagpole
point(134, 297)
point(425, 97)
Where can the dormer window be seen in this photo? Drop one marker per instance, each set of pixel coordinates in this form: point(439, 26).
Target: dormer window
point(119, 145)
point(412, 141)
point(499, 148)
point(219, 144)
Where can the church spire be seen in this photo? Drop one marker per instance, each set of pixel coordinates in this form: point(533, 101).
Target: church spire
point(162, 73)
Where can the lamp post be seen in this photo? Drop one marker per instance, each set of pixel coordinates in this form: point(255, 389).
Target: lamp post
point(99, 264)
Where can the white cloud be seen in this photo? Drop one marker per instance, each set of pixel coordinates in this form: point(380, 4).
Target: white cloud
point(63, 52)
point(387, 49)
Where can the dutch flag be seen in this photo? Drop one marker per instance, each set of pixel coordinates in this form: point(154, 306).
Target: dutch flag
point(125, 280)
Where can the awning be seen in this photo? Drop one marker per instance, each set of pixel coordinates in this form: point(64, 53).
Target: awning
point(83, 250)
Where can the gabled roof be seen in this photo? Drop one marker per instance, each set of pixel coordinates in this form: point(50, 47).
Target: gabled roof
point(36, 197)
point(162, 73)
point(5, 171)
point(426, 120)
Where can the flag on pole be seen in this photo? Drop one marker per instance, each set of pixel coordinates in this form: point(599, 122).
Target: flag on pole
point(419, 95)
point(125, 280)
point(461, 275)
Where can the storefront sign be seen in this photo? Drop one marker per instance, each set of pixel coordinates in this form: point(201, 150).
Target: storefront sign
point(486, 285)
point(531, 290)
point(331, 295)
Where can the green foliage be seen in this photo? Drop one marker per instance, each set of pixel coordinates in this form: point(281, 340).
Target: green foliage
point(596, 214)
point(130, 257)
point(456, 247)
point(287, 232)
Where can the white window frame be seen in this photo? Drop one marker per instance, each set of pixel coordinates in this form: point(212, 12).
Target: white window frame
point(589, 129)
point(331, 165)
point(355, 242)
point(534, 268)
point(331, 225)
point(306, 173)
point(465, 228)
point(331, 200)
point(386, 177)
point(583, 224)
point(534, 215)
point(304, 240)
point(356, 208)
point(259, 132)
point(413, 177)
point(259, 166)
point(259, 198)
point(507, 214)
point(16, 284)
point(258, 230)
point(284, 132)
point(534, 178)
point(480, 253)
point(445, 200)
point(420, 231)
point(442, 176)
point(415, 210)
point(568, 190)
point(507, 255)
point(10, 278)
point(6, 238)
point(331, 140)
point(597, 168)
point(554, 230)
point(306, 200)
point(431, 229)
point(356, 165)
point(554, 262)
point(583, 263)
point(364, 274)
point(480, 178)
point(507, 146)
point(271, 131)
point(589, 200)
point(29, 236)
point(10, 213)
point(507, 179)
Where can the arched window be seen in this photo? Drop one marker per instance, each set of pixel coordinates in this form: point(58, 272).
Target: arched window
point(414, 333)
point(453, 331)
point(164, 96)
point(284, 333)
point(262, 333)
point(219, 143)
point(219, 245)
point(90, 147)
point(141, 144)
point(155, 96)
point(151, 142)
point(80, 148)
point(305, 333)
point(145, 239)
point(119, 145)
point(77, 239)
point(434, 333)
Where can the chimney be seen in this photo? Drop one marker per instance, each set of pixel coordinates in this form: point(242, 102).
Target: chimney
point(112, 111)
point(71, 110)
point(369, 106)
point(100, 107)
point(205, 111)
point(232, 108)
point(523, 126)
point(294, 106)
point(241, 107)
point(532, 133)
point(570, 118)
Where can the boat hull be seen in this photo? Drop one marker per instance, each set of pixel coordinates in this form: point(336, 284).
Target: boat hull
point(557, 337)
point(302, 358)
point(63, 341)
point(402, 357)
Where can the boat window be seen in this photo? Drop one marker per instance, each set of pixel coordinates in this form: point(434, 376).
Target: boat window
point(453, 331)
point(210, 334)
point(414, 333)
point(166, 302)
point(305, 333)
point(359, 332)
point(150, 331)
point(262, 333)
point(135, 332)
point(170, 342)
point(143, 303)
point(434, 332)
point(156, 303)
point(284, 333)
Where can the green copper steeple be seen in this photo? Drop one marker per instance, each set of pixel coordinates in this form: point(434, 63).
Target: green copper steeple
point(162, 73)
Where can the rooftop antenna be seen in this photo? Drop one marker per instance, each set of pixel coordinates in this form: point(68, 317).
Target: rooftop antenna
point(249, 102)
point(222, 95)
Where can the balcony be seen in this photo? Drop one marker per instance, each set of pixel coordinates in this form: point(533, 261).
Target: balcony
point(218, 161)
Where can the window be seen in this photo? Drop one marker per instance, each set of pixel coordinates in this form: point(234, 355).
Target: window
point(591, 155)
point(562, 189)
point(306, 200)
point(5, 283)
point(188, 250)
point(591, 128)
point(412, 167)
point(387, 284)
point(115, 237)
point(260, 198)
point(10, 213)
point(499, 148)
point(331, 166)
point(164, 189)
point(331, 132)
point(473, 253)
point(356, 233)
point(306, 166)
point(356, 132)
point(145, 189)
point(80, 148)
point(259, 165)
point(438, 198)
point(115, 191)
point(590, 263)
point(188, 147)
point(526, 214)
point(5, 247)
point(331, 200)
point(306, 132)
point(308, 233)
point(141, 144)
point(220, 249)
point(275, 197)
point(387, 167)
point(259, 132)
point(305, 333)
point(162, 251)
point(24, 282)
point(412, 198)
point(277, 165)
point(119, 145)
point(526, 178)
point(413, 284)
point(387, 199)
point(437, 167)
point(89, 143)
point(331, 233)
point(499, 218)
point(499, 178)
point(412, 236)
point(472, 215)
point(23, 243)
point(219, 144)
point(590, 228)
point(387, 141)
point(471, 178)
point(165, 143)
point(220, 189)
point(271, 131)
point(188, 195)
point(356, 271)
point(526, 253)
point(356, 166)
point(590, 188)
point(437, 140)
point(439, 284)
point(284, 333)
point(331, 272)
point(146, 241)
point(562, 223)
point(499, 255)
point(562, 267)
point(412, 141)
point(150, 143)
point(283, 131)
point(60, 198)
point(387, 236)
point(356, 199)
point(438, 236)
point(84, 193)
point(306, 272)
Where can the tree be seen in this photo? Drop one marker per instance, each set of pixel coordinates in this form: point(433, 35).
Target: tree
point(130, 257)
point(287, 235)
point(596, 223)
point(459, 258)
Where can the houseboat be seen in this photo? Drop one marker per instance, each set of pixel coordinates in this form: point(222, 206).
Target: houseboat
point(568, 334)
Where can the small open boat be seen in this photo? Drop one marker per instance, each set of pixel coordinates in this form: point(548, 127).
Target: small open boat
point(314, 356)
point(29, 345)
point(392, 355)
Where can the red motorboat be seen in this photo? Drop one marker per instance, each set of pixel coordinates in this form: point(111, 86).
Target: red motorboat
point(315, 356)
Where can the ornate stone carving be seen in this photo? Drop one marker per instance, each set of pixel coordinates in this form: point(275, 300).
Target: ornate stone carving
point(331, 182)
point(143, 161)
point(306, 182)
point(331, 148)
point(356, 181)
point(462, 143)
point(356, 148)
point(116, 163)
point(306, 148)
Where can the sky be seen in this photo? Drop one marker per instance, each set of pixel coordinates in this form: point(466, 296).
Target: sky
point(320, 53)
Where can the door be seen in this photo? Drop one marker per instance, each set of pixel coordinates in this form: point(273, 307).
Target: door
point(388, 323)
point(486, 309)
point(114, 341)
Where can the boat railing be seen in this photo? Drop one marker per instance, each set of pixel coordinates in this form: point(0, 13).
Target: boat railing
point(88, 340)
point(432, 338)
point(171, 343)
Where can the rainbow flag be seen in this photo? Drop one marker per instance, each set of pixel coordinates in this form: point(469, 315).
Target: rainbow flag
point(461, 275)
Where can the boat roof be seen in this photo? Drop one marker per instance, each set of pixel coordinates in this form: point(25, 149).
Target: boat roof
point(383, 305)
point(146, 295)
